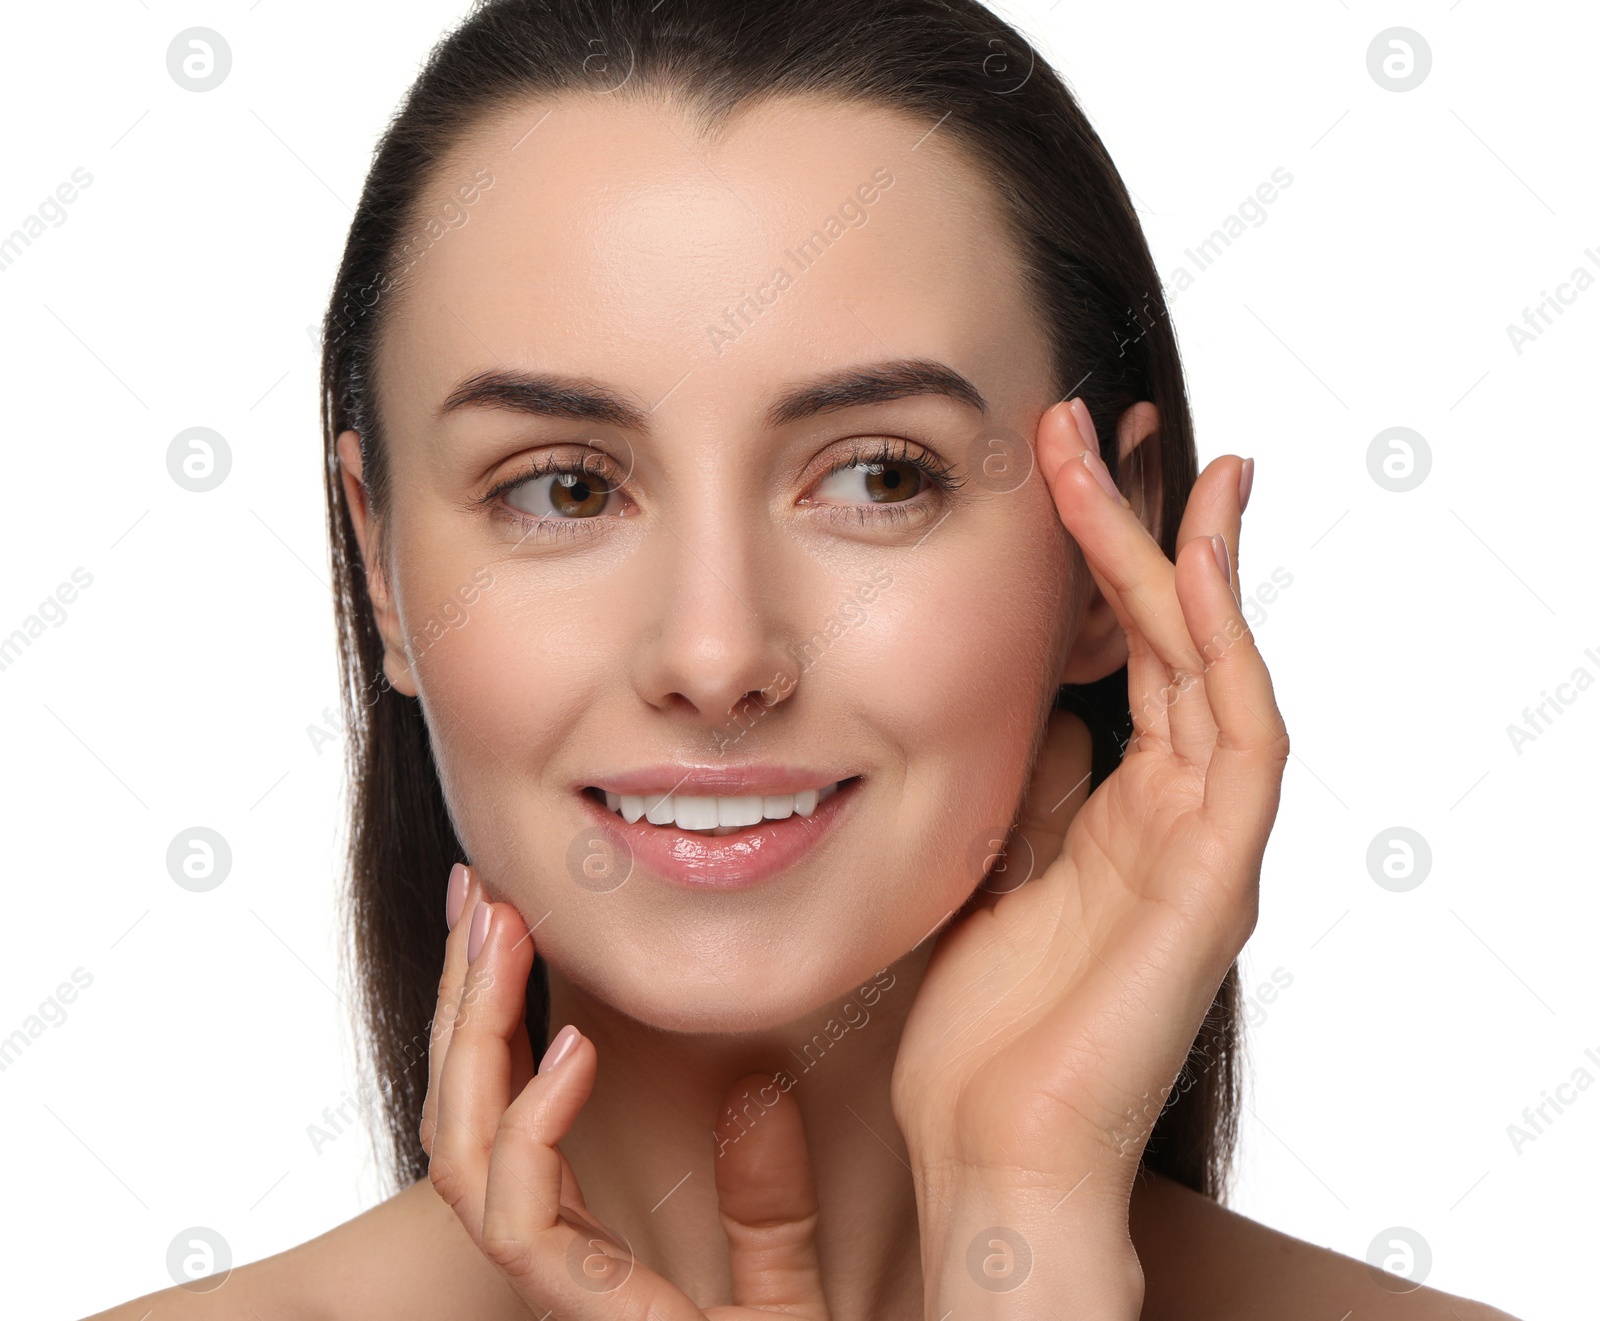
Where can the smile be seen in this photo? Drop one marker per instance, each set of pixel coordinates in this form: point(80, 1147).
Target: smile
point(720, 842)
point(719, 815)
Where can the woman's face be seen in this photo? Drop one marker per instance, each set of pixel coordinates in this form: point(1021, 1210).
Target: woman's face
point(716, 590)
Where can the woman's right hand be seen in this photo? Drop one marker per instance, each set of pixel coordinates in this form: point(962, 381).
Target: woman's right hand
point(490, 1126)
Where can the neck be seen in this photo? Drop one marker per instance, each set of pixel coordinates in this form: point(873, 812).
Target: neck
point(645, 1146)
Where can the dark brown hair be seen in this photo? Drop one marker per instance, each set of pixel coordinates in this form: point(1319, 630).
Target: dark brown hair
point(945, 63)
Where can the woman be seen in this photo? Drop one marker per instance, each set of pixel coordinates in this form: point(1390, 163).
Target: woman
point(863, 762)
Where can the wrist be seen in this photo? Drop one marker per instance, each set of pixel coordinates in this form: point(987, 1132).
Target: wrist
point(1003, 1249)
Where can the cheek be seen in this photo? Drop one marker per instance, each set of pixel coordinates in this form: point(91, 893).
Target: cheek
point(957, 669)
point(501, 679)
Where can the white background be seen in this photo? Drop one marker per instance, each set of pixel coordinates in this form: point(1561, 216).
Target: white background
point(180, 689)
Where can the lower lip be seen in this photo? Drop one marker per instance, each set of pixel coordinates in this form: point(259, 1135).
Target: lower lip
point(735, 861)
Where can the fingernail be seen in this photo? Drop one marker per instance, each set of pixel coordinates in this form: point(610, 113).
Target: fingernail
point(1219, 548)
point(1095, 464)
point(479, 930)
point(455, 895)
point(1091, 449)
point(1247, 475)
point(560, 1048)
point(1080, 415)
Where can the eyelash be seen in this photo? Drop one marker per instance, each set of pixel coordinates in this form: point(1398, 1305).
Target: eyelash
point(895, 450)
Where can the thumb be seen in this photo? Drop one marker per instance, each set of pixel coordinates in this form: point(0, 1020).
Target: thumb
point(768, 1200)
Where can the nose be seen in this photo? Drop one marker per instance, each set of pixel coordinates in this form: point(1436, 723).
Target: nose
point(711, 641)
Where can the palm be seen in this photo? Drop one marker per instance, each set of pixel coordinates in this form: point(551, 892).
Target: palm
point(1052, 1021)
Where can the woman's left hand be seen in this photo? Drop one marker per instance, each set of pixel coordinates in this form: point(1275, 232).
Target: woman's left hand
point(1051, 1023)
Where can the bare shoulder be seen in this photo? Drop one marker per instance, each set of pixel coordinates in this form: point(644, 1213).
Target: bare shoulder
point(407, 1257)
point(1203, 1262)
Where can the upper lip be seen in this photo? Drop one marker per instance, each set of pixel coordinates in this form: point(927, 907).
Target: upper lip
point(718, 781)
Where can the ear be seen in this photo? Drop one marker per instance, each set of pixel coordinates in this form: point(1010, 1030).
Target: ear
point(396, 665)
point(1101, 647)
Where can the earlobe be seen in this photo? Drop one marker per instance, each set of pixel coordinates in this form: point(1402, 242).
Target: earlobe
point(396, 666)
point(1101, 647)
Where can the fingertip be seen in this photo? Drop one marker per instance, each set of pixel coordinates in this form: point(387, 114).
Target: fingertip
point(1224, 562)
point(560, 1049)
point(455, 895)
point(478, 932)
point(1051, 446)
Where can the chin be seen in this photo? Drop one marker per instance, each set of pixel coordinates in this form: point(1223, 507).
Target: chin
point(754, 989)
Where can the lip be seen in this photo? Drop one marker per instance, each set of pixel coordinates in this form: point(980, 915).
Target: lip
point(723, 780)
point(735, 861)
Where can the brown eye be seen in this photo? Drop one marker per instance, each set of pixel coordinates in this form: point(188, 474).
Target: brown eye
point(562, 494)
point(888, 482)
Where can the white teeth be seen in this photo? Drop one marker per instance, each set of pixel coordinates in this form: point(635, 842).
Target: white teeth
point(691, 812)
point(700, 812)
point(739, 811)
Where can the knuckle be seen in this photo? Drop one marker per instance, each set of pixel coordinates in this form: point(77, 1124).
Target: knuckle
point(507, 1245)
point(445, 1176)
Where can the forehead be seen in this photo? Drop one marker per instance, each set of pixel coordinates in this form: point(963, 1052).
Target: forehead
point(606, 238)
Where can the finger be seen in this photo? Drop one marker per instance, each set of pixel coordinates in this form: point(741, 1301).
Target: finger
point(1215, 507)
point(462, 893)
point(767, 1197)
point(475, 1083)
point(1245, 771)
point(578, 1270)
point(1136, 578)
point(571, 1193)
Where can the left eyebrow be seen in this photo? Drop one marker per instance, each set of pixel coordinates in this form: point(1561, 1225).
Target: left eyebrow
point(878, 383)
point(546, 394)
